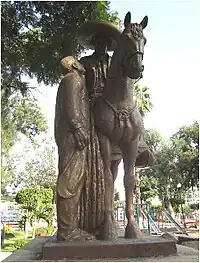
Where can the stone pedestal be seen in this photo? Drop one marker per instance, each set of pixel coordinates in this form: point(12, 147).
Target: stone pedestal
point(120, 248)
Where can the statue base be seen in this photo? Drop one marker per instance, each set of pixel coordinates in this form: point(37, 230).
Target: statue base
point(116, 249)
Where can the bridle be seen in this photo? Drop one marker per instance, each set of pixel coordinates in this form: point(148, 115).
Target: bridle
point(140, 77)
point(137, 52)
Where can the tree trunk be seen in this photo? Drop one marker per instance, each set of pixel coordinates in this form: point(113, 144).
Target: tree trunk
point(26, 229)
point(34, 228)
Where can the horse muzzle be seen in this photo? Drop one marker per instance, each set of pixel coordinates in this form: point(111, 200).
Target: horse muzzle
point(136, 72)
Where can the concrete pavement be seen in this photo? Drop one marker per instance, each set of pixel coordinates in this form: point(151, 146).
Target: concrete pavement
point(4, 255)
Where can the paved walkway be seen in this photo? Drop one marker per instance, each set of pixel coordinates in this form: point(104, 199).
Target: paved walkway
point(4, 255)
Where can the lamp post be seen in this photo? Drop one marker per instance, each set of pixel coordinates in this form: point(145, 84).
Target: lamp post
point(179, 187)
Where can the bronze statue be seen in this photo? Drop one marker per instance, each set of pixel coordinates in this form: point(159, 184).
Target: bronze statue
point(71, 136)
point(86, 176)
point(118, 120)
point(96, 66)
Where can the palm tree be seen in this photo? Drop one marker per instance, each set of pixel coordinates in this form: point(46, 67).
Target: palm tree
point(143, 98)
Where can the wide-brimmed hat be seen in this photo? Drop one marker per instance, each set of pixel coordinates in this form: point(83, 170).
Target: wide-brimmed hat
point(105, 29)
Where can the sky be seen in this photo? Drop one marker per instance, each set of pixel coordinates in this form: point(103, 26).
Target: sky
point(171, 65)
point(171, 62)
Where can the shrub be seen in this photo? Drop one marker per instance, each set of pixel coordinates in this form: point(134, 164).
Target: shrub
point(19, 243)
point(48, 231)
point(194, 207)
point(8, 229)
point(9, 235)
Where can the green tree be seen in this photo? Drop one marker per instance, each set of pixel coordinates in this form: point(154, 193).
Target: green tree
point(37, 204)
point(20, 115)
point(116, 199)
point(194, 207)
point(165, 171)
point(154, 140)
point(149, 181)
point(116, 195)
point(143, 97)
point(161, 173)
point(186, 147)
point(39, 170)
point(7, 172)
point(148, 185)
point(36, 35)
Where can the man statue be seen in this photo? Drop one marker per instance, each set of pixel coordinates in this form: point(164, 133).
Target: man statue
point(71, 136)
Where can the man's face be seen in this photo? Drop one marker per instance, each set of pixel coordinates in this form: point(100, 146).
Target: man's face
point(64, 70)
point(101, 44)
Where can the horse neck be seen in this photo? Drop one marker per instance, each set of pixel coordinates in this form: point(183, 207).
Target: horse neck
point(117, 83)
point(115, 70)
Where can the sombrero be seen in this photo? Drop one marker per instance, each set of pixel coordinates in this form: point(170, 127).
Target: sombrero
point(105, 29)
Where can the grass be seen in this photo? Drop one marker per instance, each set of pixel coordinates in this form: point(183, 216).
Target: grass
point(14, 241)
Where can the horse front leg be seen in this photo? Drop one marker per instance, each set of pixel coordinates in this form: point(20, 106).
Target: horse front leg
point(108, 230)
point(129, 157)
point(114, 171)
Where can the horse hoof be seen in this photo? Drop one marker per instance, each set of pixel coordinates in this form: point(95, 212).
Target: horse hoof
point(108, 231)
point(132, 231)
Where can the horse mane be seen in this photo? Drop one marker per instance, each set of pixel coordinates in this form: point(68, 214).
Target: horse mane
point(135, 29)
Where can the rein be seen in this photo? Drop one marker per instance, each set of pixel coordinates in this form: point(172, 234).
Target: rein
point(141, 76)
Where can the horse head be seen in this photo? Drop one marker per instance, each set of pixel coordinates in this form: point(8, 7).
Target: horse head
point(131, 47)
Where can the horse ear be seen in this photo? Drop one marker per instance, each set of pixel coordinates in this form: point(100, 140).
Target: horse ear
point(144, 22)
point(127, 19)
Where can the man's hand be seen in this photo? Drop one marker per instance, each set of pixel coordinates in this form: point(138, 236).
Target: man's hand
point(81, 138)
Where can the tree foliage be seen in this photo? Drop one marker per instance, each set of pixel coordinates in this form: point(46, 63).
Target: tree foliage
point(186, 146)
point(164, 171)
point(37, 34)
point(143, 97)
point(116, 199)
point(33, 166)
point(116, 195)
point(194, 207)
point(176, 166)
point(7, 172)
point(37, 202)
point(39, 170)
point(149, 181)
point(20, 115)
point(154, 140)
point(147, 187)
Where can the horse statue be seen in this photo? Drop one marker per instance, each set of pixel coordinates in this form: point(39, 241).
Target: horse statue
point(118, 121)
